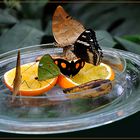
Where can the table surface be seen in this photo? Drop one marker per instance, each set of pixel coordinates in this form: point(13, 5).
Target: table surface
point(128, 127)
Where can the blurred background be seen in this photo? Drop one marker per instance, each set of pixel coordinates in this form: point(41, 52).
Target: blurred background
point(117, 25)
point(24, 23)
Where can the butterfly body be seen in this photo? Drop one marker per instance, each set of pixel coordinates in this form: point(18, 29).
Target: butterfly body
point(69, 68)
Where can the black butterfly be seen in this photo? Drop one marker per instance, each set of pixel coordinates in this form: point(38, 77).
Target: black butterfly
point(69, 68)
point(87, 48)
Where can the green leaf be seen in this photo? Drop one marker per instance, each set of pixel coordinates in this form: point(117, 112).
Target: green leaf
point(6, 18)
point(128, 45)
point(47, 68)
point(35, 23)
point(13, 4)
point(113, 17)
point(105, 39)
point(20, 36)
point(33, 10)
point(132, 38)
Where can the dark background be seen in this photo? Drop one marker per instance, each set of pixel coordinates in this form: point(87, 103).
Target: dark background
point(120, 19)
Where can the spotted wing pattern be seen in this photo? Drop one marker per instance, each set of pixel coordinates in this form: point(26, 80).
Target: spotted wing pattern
point(69, 68)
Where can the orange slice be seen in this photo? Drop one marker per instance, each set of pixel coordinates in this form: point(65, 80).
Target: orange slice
point(30, 85)
point(88, 73)
point(65, 82)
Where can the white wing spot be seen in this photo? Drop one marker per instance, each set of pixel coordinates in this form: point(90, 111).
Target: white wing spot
point(87, 31)
point(82, 42)
point(83, 36)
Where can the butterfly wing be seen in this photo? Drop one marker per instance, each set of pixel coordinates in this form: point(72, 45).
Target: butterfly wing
point(87, 48)
point(65, 29)
point(69, 68)
point(77, 66)
point(18, 77)
point(64, 66)
point(47, 69)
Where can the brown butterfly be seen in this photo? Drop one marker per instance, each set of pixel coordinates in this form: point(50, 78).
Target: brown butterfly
point(17, 80)
point(65, 29)
point(70, 32)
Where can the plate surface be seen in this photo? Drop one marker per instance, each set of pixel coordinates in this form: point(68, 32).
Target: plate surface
point(56, 112)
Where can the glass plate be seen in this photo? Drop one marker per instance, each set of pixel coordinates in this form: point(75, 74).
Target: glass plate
point(56, 112)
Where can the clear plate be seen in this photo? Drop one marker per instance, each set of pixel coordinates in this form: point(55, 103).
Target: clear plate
point(56, 112)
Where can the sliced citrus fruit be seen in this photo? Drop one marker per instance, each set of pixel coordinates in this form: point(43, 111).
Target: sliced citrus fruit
point(88, 73)
point(65, 82)
point(30, 85)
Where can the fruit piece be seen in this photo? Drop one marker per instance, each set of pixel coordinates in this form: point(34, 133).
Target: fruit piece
point(88, 73)
point(65, 82)
point(30, 85)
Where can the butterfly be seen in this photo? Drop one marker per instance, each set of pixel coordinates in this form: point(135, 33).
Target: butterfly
point(69, 32)
point(69, 68)
point(86, 47)
point(65, 29)
point(18, 77)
